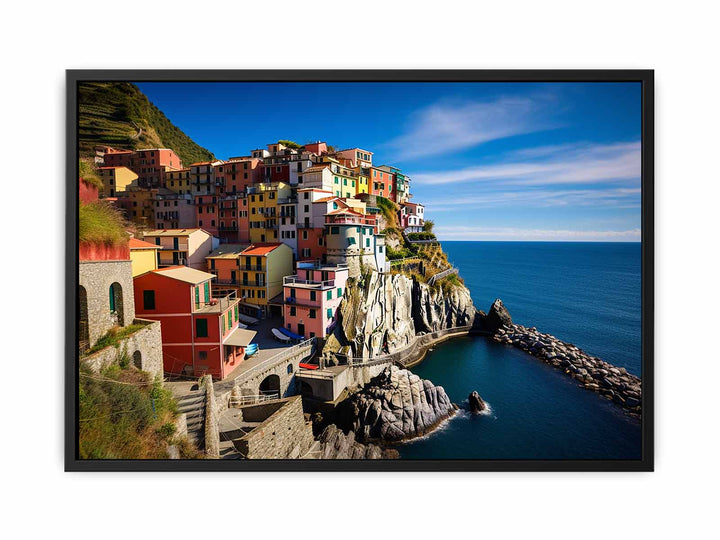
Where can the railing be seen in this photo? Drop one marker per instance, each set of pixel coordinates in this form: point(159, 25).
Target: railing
point(399, 356)
point(318, 264)
point(265, 364)
point(287, 200)
point(336, 220)
point(254, 267)
point(218, 304)
point(441, 275)
point(251, 400)
point(290, 280)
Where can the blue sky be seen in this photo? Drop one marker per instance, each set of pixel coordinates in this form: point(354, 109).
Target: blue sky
point(490, 161)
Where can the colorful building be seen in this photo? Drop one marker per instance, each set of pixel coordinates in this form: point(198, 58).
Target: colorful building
point(149, 164)
point(382, 182)
point(206, 213)
point(187, 247)
point(350, 239)
point(143, 256)
point(116, 179)
point(234, 224)
point(264, 210)
point(238, 173)
point(357, 157)
point(202, 178)
point(400, 189)
point(200, 334)
point(412, 217)
point(312, 297)
point(172, 210)
point(224, 263)
point(178, 181)
point(311, 224)
point(138, 204)
point(261, 269)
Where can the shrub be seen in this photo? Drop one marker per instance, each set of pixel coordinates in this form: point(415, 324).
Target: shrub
point(422, 236)
point(101, 223)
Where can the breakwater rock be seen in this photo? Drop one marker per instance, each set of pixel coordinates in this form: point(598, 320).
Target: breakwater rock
point(594, 374)
point(476, 403)
point(395, 405)
point(382, 313)
point(338, 445)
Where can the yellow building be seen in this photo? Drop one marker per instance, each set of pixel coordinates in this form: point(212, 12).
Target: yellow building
point(264, 211)
point(178, 181)
point(143, 256)
point(363, 182)
point(115, 179)
point(262, 268)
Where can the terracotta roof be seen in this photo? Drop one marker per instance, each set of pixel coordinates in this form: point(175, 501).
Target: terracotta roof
point(140, 244)
point(344, 211)
point(201, 163)
point(261, 249)
point(183, 273)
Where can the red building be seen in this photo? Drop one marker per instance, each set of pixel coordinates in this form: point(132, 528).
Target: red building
point(238, 173)
point(234, 223)
point(150, 164)
point(200, 334)
point(381, 183)
point(206, 213)
point(278, 172)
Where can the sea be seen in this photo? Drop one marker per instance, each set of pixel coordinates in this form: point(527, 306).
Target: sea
point(588, 294)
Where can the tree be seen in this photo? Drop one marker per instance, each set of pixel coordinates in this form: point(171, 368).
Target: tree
point(428, 226)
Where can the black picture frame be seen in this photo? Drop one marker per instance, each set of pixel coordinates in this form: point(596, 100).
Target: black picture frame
point(74, 77)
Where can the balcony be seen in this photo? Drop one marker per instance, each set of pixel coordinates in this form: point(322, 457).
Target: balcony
point(287, 200)
point(253, 267)
point(296, 281)
point(217, 305)
point(347, 220)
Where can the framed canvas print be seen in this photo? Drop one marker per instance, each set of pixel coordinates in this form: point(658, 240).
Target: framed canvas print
point(359, 270)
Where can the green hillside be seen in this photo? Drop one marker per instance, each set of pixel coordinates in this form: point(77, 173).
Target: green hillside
point(118, 114)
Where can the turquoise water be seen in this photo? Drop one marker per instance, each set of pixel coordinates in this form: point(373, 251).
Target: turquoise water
point(584, 293)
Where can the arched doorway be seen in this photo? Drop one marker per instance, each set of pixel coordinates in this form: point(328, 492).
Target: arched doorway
point(270, 385)
point(137, 359)
point(83, 328)
point(116, 304)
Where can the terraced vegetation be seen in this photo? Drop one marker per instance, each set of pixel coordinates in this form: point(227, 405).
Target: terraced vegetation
point(101, 223)
point(118, 114)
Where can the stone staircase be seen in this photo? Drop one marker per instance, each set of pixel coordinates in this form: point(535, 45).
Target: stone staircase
point(193, 405)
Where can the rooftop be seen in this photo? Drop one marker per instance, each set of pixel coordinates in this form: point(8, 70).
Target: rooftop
point(262, 249)
point(140, 244)
point(174, 232)
point(228, 251)
point(183, 273)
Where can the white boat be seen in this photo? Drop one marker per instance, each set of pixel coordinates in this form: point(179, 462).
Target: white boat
point(280, 336)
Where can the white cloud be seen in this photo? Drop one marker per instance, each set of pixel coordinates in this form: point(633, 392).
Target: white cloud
point(564, 164)
point(539, 198)
point(446, 127)
point(517, 234)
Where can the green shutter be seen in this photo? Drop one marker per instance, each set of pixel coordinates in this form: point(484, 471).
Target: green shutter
point(207, 292)
point(112, 298)
point(329, 295)
point(329, 313)
point(339, 292)
point(197, 297)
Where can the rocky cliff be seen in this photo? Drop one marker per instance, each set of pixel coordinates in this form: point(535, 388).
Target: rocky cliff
point(382, 313)
point(395, 405)
point(335, 444)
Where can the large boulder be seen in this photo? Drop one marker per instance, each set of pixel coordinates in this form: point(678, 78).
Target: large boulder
point(498, 317)
point(335, 444)
point(395, 405)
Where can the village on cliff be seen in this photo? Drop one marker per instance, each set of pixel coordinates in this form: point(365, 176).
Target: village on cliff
point(233, 273)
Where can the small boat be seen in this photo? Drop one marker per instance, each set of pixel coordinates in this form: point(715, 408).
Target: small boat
point(280, 336)
point(308, 366)
point(251, 349)
point(292, 335)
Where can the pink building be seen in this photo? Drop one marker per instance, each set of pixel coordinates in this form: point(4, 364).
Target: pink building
point(412, 217)
point(311, 298)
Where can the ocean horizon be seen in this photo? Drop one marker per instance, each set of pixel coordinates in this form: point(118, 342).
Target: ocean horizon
point(586, 293)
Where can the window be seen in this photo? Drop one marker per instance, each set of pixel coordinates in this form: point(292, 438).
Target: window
point(293, 311)
point(305, 235)
point(337, 180)
point(334, 230)
point(313, 295)
point(351, 241)
point(367, 242)
point(148, 299)
point(339, 292)
point(329, 313)
point(329, 295)
point(201, 328)
point(312, 314)
point(202, 355)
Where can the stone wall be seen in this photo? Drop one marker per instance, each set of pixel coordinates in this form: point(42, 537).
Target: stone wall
point(143, 348)
point(212, 425)
point(96, 278)
point(283, 435)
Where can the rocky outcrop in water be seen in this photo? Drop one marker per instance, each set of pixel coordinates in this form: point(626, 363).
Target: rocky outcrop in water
point(382, 313)
point(338, 445)
point(395, 405)
point(498, 317)
point(594, 374)
point(476, 403)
